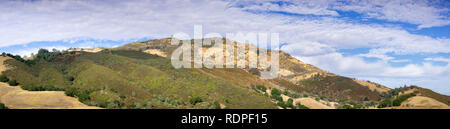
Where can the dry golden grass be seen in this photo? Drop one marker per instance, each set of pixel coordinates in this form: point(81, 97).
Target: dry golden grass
point(421, 102)
point(16, 98)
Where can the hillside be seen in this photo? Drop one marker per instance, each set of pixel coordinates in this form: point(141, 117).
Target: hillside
point(16, 97)
point(131, 79)
point(140, 76)
point(293, 74)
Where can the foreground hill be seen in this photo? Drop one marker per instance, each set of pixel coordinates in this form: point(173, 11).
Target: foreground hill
point(140, 75)
point(131, 79)
point(16, 97)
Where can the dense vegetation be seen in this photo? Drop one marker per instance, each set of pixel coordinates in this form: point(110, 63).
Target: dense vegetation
point(129, 79)
point(13, 83)
point(3, 78)
point(396, 101)
point(2, 106)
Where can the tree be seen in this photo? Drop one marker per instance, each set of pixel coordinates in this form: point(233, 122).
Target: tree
point(300, 106)
point(290, 103)
point(2, 106)
point(3, 78)
point(346, 106)
point(275, 92)
point(385, 103)
point(282, 104)
point(365, 99)
point(261, 88)
point(71, 92)
point(13, 83)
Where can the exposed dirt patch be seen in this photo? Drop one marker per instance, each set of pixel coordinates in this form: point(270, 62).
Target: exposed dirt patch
point(156, 52)
point(91, 50)
point(285, 72)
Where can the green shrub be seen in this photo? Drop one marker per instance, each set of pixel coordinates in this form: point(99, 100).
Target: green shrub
point(385, 103)
point(282, 104)
point(398, 101)
point(83, 95)
point(275, 92)
point(346, 106)
point(13, 83)
point(278, 98)
point(290, 103)
point(317, 99)
point(195, 100)
point(365, 99)
point(298, 105)
point(358, 106)
point(294, 95)
point(3, 78)
point(70, 78)
point(2, 106)
point(305, 95)
point(217, 105)
point(41, 88)
point(261, 88)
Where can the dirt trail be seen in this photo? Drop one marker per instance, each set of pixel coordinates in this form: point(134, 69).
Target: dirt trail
point(17, 98)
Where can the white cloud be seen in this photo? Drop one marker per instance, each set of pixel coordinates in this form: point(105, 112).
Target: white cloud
point(438, 59)
point(400, 61)
point(356, 66)
point(315, 7)
point(307, 48)
point(423, 13)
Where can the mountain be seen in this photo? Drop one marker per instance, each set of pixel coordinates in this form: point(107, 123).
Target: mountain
point(140, 75)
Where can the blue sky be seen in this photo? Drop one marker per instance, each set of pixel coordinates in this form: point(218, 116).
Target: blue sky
point(392, 42)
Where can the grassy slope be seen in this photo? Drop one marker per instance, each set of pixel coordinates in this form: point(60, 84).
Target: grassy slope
point(338, 87)
point(136, 78)
point(344, 88)
point(429, 93)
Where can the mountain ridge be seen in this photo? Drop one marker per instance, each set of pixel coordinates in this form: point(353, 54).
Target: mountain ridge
point(155, 84)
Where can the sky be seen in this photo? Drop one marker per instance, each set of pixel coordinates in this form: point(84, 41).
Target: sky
point(391, 42)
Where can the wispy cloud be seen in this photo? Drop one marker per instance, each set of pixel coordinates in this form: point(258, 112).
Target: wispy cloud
point(438, 59)
point(423, 13)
